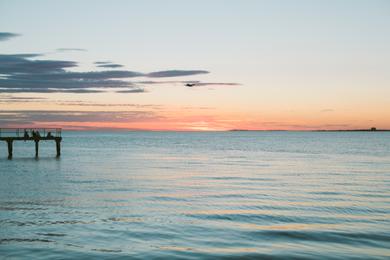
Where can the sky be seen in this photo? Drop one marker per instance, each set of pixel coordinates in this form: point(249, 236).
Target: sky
point(195, 65)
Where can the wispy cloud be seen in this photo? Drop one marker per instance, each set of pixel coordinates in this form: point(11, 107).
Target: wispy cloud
point(49, 90)
point(9, 99)
point(134, 90)
point(107, 64)
point(112, 65)
point(22, 117)
point(205, 84)
point(175, 73)
point(13, 99)
point(70, 49)
point(102, 62)
point(7, 35)
point(327, 110)
point(92, 104)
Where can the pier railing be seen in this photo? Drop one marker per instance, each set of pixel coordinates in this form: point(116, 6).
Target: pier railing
point(21, 132)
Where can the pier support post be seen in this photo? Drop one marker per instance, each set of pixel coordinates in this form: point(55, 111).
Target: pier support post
point(36, 147)
point(58, 147)
point(9, 143)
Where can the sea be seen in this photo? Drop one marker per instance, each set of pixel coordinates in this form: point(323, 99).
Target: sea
point(198, 195)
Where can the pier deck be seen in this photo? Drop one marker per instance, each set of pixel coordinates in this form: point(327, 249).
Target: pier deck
point(10, 135)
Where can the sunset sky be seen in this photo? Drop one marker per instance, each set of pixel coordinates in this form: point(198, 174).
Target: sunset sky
point(195, 65)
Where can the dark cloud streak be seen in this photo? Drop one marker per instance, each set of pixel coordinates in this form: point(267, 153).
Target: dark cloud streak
point(28, 116)
point(203, 84)
point(107, 64)
point(135, 90)
point(4, 36)
point(20, 63)
point(113, 65)
point(49, 90)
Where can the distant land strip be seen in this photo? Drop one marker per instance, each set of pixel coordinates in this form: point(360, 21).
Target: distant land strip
point(318, 130)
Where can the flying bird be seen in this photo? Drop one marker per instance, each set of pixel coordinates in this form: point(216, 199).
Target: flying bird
point(190, 85)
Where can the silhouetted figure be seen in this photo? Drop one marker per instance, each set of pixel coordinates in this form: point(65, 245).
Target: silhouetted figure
point(49, 135)
point(26, 136)
point(34, 134)
point(37, 134)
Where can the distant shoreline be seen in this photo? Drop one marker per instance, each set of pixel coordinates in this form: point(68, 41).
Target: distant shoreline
point(320, 130)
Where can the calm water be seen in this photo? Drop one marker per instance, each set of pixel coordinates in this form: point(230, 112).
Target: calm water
point(198, 195)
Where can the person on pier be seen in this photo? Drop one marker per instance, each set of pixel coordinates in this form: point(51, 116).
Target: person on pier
point(26, 136)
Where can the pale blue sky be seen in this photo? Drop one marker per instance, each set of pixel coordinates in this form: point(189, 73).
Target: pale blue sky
point(288, 55)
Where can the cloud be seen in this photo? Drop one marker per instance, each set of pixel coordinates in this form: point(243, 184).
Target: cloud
point(7, 35)
point(107, 64)
point(49, 90)
point(152, 82)
point(7, 98)
point(21, 74)
point(92, 104)
point(62, 83)
point(135, 90)
point(12, 99)
point(102, 62)
point(202, 84)
point(50, 76)
point(175, 73)
point(113, 65)
point(89, 75)
point(22, 117)
point(30, 73)
point(20, 63)
point(70, 49)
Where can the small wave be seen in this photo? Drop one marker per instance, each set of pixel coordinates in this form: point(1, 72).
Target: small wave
point(166, 198)
point(51, 234)
point(240, 178)
point(104, 250)
point(124, 219)
point(10, 240)
point(327, 193)
point(43, 223)
point(250, 217)
point(324, 236)
point(20, 208)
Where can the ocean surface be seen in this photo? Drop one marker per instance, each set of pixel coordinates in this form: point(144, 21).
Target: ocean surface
point(198, 195)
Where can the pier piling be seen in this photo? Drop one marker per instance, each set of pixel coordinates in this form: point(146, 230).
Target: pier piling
point(9, 144)
point(58, 147)
point(36, 147)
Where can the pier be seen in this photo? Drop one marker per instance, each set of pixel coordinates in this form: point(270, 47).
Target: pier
point(9, 135)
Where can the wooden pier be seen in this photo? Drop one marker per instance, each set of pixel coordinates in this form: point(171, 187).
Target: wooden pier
point(10, 135)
